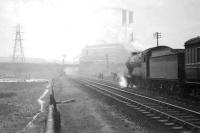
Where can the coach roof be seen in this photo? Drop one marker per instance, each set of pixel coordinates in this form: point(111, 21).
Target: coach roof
point(155, 48)
point(195, 40)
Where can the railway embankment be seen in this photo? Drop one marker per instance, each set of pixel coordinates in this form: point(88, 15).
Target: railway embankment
point(22, 106)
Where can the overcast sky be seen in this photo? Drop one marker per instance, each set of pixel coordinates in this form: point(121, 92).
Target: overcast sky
point(56, 27)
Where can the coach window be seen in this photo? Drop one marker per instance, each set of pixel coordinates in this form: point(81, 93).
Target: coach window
point(198, 54)
point(189, 61)
point(187, 55)
point(193, 55)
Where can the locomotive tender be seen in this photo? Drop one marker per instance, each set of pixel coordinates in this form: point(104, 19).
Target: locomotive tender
point(167, 71)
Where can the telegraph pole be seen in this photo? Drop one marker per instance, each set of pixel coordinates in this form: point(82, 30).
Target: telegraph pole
point(157, 36)
point(63, 64)
point(64, 56)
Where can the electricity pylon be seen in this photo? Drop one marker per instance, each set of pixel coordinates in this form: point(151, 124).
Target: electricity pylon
point(18, 51)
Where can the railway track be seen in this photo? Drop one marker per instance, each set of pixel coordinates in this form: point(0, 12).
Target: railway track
point(178, 118)
point(185, 103)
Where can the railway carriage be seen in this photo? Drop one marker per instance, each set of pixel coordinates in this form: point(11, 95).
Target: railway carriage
point(192, 62)
point(192, 66)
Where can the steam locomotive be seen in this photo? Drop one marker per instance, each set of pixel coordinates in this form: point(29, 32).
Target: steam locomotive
point(167, 71)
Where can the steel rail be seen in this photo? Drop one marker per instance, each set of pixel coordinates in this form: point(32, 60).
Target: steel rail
point(175, 106)
point(107, 82)
point(143, 105)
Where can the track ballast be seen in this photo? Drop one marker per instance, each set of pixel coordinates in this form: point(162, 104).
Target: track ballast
point(177, 117)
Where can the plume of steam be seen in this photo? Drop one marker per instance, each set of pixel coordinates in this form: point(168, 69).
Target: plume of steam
point(138, 46)
point(122, 82)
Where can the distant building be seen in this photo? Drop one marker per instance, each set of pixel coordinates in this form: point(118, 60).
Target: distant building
point(104, 54)
point(112, 47)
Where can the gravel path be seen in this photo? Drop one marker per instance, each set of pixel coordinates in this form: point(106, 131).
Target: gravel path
point(87, 114)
